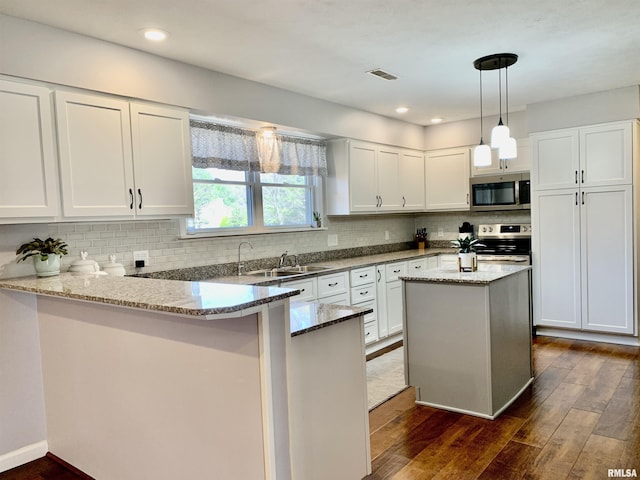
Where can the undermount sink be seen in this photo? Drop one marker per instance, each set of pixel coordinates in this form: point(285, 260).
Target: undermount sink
point(287, 271)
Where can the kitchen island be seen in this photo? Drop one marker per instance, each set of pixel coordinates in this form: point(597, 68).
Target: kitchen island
point(169, 379)
point(467, 338)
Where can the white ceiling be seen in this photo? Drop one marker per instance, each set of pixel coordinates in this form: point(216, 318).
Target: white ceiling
point(323, 48)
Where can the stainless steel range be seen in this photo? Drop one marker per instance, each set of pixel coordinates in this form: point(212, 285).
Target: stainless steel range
point(505, 243)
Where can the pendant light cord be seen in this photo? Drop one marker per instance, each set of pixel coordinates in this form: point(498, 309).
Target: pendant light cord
point(481, 128)
point(506, 86)
point(500, 93)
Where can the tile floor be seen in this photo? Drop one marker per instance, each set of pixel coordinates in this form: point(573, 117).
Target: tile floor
point(385, 377)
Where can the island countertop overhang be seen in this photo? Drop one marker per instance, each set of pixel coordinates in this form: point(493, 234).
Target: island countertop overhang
point(483, 276)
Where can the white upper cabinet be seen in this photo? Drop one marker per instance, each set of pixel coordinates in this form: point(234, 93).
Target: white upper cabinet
point(28, 176)
point(370, 178)
point(122, 161)
point(411, 180)
point(96, 165)
point(583, 157)
point(161, 160)
point(447, 179)
point(522, 163)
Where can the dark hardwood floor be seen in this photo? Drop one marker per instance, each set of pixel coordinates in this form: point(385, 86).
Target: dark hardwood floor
point(579, 418)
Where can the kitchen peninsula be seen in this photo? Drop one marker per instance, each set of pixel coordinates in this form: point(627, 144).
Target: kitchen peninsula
point(147, 378)
point(467, 338)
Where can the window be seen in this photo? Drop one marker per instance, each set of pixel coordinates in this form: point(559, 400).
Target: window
point(240, 189)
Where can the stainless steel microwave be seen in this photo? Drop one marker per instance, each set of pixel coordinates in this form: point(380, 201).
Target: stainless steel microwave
point(500, 192)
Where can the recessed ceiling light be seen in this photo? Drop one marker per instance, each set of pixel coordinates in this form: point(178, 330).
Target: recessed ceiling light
point(402, 109)
point(378, 72)
point(154, 34)
point(436, 120)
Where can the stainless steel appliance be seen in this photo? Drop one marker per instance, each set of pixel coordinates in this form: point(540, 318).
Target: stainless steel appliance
point(505, 243)
point(500, 192)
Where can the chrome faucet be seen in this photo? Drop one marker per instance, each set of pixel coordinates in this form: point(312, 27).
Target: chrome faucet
point(283, 257)
point(240, 263)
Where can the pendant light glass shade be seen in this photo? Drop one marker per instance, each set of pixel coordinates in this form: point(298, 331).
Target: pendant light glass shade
point(482, 155)
point(509, 149)
point(499, 135)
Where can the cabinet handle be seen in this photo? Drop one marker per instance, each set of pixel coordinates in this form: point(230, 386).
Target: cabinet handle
point(364, 276)
point(583, 198)
point(417, 267)
point(332, 284)
point(576, 198)
point(364, 293)
point(131, 199)
point(404, 201)
point(140, 195)
point(377, 201)
point(467, 199)
point(380, 200)
point(504, 162)
point(576, 177)
point(379, 275)
point(396, 271)
point(302, 290)
point(582, 176)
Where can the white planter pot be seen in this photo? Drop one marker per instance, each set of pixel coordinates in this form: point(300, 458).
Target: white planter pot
point(48, 267)
point(467, 262)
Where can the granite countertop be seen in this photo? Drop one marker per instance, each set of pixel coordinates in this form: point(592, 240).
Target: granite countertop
point(307, 316)
point(171, 296)
point(484, 275)
point(337, 266)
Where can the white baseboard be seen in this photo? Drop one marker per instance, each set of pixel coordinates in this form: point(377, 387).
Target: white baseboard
point(23, 455)
point(589, 336)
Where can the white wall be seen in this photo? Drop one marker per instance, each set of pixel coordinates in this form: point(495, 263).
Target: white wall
point(39, 52)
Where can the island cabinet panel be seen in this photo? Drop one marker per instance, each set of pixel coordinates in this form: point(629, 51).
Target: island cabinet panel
point(468, 346)
point(28, 168)
point(330, 422)
point(134, 394)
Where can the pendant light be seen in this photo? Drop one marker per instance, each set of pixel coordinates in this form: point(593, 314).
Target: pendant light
point(497, 61)
point(509, 148)
point(482, 152)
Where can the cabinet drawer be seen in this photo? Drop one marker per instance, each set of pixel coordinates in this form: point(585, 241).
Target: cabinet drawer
point(365, 293)
point(370, 332)
point(307, 289)
point(333, 284)
point(339, 299)
point(362, 276)
point(369, 317)
point(417, 266)
point(395, 270)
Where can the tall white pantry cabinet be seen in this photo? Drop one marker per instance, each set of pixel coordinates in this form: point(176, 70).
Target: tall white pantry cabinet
point(584, 210)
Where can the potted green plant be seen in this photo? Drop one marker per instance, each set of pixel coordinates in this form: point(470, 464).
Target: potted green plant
point(46, 255)
point(318, 219)
point(467, 260)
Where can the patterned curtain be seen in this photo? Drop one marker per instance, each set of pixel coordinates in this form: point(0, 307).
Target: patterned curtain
point(233, 148)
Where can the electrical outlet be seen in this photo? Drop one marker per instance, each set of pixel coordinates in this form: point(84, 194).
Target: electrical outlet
point(440, 232)
point(332, 240)
point(141, 256)
point(386, 234)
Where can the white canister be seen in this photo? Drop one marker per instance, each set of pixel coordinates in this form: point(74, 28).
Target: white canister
point(84, 265)
point(113, 268)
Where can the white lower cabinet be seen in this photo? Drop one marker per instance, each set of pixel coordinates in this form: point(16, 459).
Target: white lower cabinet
point(363, 294)
point(334, 288)
point(308, 289)
point(390, 309)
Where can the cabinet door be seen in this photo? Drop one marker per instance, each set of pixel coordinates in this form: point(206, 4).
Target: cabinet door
point(381, 300)
point(27, 156)
point(555, 160)
point(395, 306)
point(556, 258)
point(363, 184)
point(388, 161)
point(162, 160)
point(415, 267)
point(605, 155)
point(411, 180)
point(447, 180)
point(607, 259)
point(94, 141)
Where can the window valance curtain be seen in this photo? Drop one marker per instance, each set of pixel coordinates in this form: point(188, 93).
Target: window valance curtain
point(233, 148)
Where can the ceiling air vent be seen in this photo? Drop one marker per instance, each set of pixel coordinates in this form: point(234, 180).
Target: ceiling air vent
point(382, 74)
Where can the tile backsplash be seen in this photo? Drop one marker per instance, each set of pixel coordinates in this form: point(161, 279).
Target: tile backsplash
point(167, 251)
